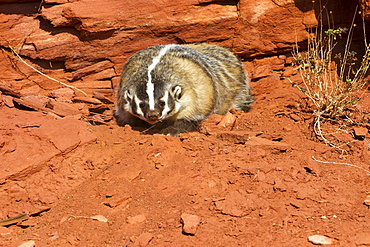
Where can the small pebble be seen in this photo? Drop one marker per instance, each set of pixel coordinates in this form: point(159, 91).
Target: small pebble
point(320, 239)
point(30, 243)
point(190, 223)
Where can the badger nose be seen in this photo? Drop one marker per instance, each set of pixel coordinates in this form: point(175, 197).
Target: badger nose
point(153, 115)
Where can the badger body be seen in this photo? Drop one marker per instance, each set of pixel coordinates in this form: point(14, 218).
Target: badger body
point(174, 87)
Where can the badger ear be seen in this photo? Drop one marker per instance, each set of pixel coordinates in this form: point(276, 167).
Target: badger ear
point(176, 92)
point(127, 95)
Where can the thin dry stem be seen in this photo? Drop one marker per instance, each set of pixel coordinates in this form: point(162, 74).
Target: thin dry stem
point(339, 163)
point(62, 83)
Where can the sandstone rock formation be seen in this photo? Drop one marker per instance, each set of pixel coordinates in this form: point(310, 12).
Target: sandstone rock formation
point(86, 42)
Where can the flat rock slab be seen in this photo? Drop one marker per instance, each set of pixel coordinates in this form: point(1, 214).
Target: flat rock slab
point(29, 138)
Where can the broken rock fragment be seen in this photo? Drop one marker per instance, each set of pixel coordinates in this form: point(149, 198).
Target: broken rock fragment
point(190, 223)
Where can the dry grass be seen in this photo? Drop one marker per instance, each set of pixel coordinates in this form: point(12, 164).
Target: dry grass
point(333, 82)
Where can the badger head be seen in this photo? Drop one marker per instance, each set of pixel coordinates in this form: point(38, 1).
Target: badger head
point(151, 105)
point(151, 88)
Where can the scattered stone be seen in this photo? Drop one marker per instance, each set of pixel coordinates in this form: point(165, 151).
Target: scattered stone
point(8, 90)
point(102, 98)
point(65, 92)
point(262, 71)
point(279, 185)
point(190, 223)
point(64, 109)
point(360, 133)
point(259, 141)
point(295, 117)
point(367, 200)
point(136, 219)
point(238, 204)
point(94, 68)
point(320, 239)
point(116, 201)
point(69, 134)
point(8, 101)
point(87, 100)
point(28, 125)
point(96, 119)
point(362, 238)
point(236, 137)
point(102, 75)
point(143, 239)
point(39, 101)
point(30, 243)
point(297, 204)
point(228, 120)
point(33, 90)
point(98, 108)
point(100, 218)
point(289, 71)
point(33, 106)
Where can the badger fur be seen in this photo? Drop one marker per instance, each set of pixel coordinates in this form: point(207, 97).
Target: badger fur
point(174, 87)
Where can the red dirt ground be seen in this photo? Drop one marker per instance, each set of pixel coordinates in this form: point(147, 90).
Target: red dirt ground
point(252, 183)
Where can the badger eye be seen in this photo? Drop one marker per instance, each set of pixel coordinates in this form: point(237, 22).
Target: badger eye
point(141, 105)
point(161, 103)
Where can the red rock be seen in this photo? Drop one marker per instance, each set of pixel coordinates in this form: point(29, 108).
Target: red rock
point(117, 201)
point(39, 101)
point(65, 93)
point(87, 100)
point(119, 29)
point(35, 105)
point(8, 101)
point(33, 90)
point(28, 125)
point(8, 90)
point(102, 98)
point(98, 108)
point(360, 132)
point(52, 137)
point(238, 204)
point(65, 137)
point(64, 109)
point(143, 239)
point(92, 69)
point(190, 223)
point(234, 136)
point(262, 71)
point(94, 85)
point(228, 120)
point(309, 19)
point(289, 71)
point(136, 219)
point(102, 75)
point(30, 243)
point(362, 238)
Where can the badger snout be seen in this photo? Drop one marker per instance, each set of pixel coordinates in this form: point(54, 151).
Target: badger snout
point(153, 116)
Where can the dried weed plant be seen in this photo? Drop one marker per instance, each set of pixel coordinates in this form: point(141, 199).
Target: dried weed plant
point(333, 82)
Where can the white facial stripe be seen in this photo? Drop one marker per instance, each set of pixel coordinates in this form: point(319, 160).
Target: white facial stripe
point(150, 84)
point(166, 108)
point(138, 109)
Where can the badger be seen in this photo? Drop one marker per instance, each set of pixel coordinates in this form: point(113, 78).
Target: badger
point(174, 87)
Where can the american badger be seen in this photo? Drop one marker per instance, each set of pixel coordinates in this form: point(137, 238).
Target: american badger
point(174, 87)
